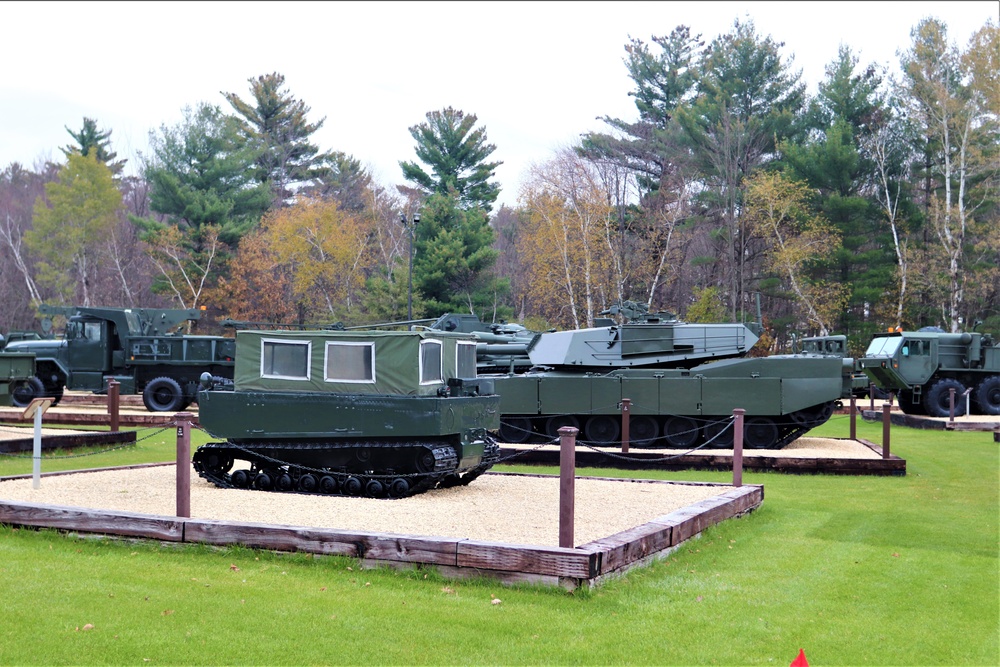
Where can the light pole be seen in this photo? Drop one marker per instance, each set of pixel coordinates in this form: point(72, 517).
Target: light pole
point(409, 288)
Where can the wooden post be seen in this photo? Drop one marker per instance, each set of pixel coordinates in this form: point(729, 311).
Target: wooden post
point(184, 464)
point(567, 479)
point(854, 419)
point(951, 404)
point(738, 446)
point(885, 429)
point(113, 388)
point(626, 405)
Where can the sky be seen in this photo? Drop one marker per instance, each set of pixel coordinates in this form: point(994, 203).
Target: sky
point(536, 74)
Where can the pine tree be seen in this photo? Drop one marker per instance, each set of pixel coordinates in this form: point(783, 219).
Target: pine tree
point(274, 123)
point(456, 154)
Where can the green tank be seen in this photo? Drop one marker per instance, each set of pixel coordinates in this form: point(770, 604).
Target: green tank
point(375, 413)
point(683, 382)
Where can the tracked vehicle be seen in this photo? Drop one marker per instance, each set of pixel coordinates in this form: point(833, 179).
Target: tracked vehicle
point(683, 381)
point(373, 413)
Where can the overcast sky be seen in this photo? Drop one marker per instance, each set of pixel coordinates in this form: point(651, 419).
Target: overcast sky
point(537, 74)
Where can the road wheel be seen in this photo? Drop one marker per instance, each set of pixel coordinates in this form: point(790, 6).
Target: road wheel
point(937, 399)
point(163, 395)
point(988, 396)
point(22, 393)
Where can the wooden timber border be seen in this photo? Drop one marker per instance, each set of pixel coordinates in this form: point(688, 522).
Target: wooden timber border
point(13, 445)
point(644, 460)
point(933, 423)
point(68, 415)
point(586, 565)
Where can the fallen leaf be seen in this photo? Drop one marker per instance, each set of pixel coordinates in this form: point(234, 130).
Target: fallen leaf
point(495, 601)
point(167, 612)
point(448, 590)
point(322, 588)
point(368, 583)
point(234, 568)
point(698, 599)
point(88, 626)
point(895, 555)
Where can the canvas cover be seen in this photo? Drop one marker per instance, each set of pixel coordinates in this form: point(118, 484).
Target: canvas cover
point(396, 361)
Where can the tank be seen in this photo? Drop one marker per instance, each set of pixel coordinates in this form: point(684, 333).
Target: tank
point(683, 382)
point(374, 413)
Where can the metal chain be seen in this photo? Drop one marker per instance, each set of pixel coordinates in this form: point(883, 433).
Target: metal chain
point(124, 445)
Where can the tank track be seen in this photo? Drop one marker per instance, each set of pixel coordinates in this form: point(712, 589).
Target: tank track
point(789, 427)
point(214, 460)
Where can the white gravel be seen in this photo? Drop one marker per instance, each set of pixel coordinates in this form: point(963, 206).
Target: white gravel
point(512, 509)
point(501, 508)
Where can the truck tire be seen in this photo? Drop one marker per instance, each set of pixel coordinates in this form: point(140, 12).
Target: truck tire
point(937, 399)
point(988, 395)
point(163, 394)
point(22, 393)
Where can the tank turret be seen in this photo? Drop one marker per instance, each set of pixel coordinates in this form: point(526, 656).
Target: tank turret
point(655, 340)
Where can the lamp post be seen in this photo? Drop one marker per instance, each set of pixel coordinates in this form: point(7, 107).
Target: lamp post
point(409, 287)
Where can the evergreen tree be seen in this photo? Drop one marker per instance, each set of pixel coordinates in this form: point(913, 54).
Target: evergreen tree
point(663, 80)
point(200, 174)
point(456, 154)
point(90, 139)
point(452, 258)
point(274, 123)
point(747, 101)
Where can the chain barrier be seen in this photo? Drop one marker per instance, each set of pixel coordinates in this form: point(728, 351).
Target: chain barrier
point(124, 445)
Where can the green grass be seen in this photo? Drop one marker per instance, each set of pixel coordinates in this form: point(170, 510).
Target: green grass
point(855, 570)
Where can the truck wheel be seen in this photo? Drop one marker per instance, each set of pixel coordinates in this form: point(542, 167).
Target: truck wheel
point(988, 395)
point(937, 399)
point(163, 395)
point(22, 393)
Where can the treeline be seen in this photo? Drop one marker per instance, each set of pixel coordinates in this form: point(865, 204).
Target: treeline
point(873, 203)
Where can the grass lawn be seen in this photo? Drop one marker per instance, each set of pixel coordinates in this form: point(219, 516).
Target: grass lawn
point(855, 570)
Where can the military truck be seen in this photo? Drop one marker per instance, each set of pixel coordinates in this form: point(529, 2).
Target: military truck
point(140, 348)
point(922, 367)
point(856, 382)
point(15, 370)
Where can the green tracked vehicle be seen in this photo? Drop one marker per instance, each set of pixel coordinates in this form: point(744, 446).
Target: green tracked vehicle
point(683, 381)
point(374, 413)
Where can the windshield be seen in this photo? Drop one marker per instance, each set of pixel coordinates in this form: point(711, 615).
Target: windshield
point(883, 346)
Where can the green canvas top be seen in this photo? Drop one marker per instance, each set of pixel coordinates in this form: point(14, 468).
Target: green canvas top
point(359, 362)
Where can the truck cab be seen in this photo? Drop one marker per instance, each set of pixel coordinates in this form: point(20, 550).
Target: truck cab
point(903, 360)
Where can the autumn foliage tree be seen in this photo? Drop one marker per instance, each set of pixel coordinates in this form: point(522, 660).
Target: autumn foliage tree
point(777, 213)
point(327, 254)
point(70, 225)
point(564, 242)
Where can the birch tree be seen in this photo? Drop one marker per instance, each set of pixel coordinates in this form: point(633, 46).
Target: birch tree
point(951, 95)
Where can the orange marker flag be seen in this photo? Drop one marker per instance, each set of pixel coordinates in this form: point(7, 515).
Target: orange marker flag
point(800, 661)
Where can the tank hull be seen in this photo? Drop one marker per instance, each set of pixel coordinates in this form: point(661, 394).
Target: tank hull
point(780, 395)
